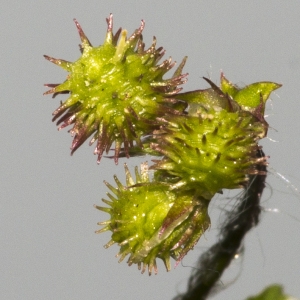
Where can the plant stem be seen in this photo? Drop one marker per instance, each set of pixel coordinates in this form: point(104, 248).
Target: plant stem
point(215, 260)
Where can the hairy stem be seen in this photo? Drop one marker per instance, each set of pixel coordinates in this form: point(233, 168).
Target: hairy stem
point(215, 260)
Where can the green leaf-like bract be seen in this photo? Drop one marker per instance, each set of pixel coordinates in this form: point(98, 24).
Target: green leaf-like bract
point(273, 292)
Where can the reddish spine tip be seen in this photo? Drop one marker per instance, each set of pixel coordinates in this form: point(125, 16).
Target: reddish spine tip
point(83, 37)
point(50, 92)
point(109, 22)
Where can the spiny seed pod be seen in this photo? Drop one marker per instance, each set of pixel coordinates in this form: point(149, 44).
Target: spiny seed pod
point(212, 148)
point(150, 221)
point(116, 91)
point(208, 152)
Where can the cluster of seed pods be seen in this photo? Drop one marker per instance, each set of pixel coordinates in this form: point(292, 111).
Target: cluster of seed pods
point(202, 141)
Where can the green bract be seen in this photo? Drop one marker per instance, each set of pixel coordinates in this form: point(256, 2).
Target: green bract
point(116, 91)
point(273, 292)
point(251, 96)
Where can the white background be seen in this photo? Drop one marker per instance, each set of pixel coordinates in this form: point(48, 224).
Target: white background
point(48, 249)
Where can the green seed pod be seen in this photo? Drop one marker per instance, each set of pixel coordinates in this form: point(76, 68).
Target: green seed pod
point(212, 148)
point(209, 152)
point(116, 91)
point(150, 221)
